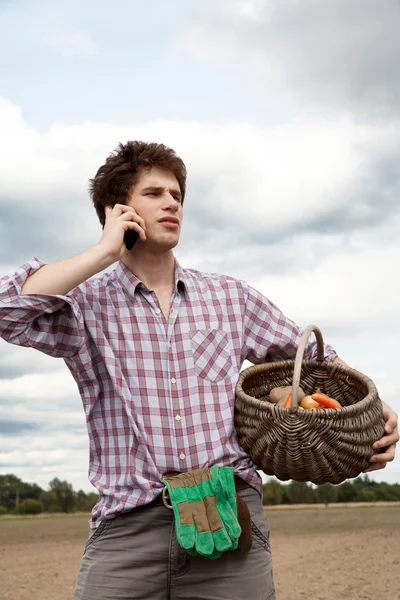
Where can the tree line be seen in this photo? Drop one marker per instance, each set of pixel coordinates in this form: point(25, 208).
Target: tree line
point(19, 497)
point(361, 489)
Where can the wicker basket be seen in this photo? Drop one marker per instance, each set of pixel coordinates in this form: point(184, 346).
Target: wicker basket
point(320, 446)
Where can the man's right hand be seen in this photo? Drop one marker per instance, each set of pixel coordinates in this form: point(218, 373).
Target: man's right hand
point(61, 277)
point(120, 219)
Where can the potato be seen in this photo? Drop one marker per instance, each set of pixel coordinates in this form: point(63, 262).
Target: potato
point(308, 403)
point(279, 395)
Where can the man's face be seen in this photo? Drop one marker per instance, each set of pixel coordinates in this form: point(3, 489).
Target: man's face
point(157, 198)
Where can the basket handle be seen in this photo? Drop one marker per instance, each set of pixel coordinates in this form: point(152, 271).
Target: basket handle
point(299, 359)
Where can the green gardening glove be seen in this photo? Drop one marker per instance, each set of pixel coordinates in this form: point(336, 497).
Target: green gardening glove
point(224, 482)
point(205, 520)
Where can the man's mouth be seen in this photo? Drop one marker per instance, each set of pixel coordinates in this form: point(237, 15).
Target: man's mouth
point(170, 222)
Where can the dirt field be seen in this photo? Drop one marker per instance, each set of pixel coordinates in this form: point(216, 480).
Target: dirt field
point(319, 553)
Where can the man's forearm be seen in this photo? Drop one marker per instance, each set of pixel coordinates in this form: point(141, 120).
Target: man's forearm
point(61, 277)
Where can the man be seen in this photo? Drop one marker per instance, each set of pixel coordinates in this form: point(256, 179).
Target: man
point(156, 350)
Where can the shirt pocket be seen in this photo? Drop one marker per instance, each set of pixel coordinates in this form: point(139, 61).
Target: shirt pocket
point(211, 356)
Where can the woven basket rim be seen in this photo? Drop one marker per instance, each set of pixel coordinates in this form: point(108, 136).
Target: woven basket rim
point(265, 406)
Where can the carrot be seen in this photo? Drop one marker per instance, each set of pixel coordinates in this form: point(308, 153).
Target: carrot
point(326, 401)
point(287, 403)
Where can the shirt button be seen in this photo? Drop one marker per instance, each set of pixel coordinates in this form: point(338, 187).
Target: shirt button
point(178, 418)
point(182, 456)
point(157, 311)
point(173, 380)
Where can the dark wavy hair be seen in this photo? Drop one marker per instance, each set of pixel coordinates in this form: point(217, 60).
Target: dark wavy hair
point(115, 179)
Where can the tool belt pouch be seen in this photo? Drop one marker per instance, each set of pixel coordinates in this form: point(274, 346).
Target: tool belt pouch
point(243, 513)
point(210, 518)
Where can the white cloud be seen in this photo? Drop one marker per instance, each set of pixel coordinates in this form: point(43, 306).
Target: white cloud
point(252, 10)
point(52, 455)
point(52, 386)
point(16, 361)
point(330, 55)
point(344, 289)
point(73, 42)
point(263, 178)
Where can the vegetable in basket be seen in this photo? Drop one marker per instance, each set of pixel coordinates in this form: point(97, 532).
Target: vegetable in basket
point(325, 401)
point(282, 396)
point(309, 404)
point(279, 395)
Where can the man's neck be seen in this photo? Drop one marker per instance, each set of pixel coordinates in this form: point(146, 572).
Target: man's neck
point(156, 271)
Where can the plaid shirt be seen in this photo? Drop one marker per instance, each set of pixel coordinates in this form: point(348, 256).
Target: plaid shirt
point(158, 396)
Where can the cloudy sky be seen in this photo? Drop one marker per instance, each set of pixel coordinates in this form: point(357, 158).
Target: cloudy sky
point(287, 116)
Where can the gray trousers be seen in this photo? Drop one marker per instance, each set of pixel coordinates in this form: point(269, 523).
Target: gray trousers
point(136, 556)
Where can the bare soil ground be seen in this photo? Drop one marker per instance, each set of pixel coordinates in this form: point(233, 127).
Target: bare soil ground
point(350, 553)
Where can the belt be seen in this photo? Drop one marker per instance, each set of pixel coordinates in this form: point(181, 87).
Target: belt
point(240, 484)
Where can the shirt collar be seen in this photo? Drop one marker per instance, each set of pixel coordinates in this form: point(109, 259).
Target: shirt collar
point(131, 283)
point(181, 278)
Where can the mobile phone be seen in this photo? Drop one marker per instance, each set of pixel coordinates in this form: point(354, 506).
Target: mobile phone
point(130, 238)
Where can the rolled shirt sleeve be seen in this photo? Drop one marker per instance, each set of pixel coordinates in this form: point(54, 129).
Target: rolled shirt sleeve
point(269, 336)
point(53, 324)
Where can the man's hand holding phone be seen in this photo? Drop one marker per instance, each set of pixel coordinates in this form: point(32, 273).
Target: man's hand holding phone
point(122, 228)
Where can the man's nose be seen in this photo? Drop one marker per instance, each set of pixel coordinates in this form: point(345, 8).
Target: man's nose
point(171, 201)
